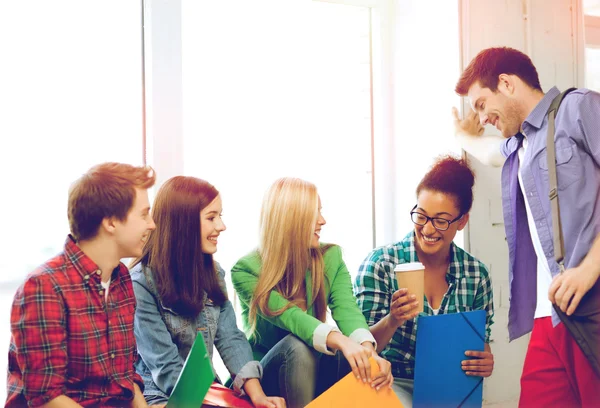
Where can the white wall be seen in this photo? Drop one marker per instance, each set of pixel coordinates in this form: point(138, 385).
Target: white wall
point(549, 31)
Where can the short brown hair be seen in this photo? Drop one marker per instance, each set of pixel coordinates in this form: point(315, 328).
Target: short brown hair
point(105, 190)
point(487, 66)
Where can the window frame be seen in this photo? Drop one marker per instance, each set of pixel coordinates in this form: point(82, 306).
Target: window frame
point(164, 101)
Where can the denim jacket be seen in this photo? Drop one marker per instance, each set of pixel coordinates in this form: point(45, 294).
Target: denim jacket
point(165, 338)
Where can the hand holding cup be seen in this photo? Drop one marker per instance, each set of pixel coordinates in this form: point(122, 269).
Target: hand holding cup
point(405, 306)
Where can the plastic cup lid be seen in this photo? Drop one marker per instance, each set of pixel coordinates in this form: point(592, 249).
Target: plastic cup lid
point(410, 266)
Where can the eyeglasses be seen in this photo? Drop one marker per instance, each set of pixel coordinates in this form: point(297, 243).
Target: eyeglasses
point(439, 224)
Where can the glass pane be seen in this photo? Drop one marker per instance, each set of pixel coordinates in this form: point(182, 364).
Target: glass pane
point(70, 98)
point(274, 90)
point(592, 68)
point(426, 69)
point(591, 7)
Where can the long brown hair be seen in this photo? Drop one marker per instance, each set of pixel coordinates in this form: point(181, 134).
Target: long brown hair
point(181, 271)
point(288, 216)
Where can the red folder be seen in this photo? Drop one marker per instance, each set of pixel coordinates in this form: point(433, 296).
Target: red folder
point(220, 396)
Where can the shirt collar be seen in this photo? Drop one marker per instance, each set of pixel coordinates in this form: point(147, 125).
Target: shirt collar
point(538, 114)
point(84, 264)
point(454, 268)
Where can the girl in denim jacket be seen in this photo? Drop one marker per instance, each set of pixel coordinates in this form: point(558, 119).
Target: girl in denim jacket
point(180, 293)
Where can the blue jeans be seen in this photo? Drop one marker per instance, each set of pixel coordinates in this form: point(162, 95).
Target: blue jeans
point(298, 373)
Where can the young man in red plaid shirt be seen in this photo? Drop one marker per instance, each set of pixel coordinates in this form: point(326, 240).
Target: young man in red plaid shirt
point(72, 339)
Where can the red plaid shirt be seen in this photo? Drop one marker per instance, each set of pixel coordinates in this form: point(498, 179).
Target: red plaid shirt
point(67, 340)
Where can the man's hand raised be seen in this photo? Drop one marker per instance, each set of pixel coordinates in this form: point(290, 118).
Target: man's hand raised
point(470, 125)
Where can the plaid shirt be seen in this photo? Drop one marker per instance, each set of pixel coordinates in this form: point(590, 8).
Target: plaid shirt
point(469, 288)
point(67, 340)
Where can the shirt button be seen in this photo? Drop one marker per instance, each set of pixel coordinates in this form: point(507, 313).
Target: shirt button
point(98, 272)
point(86, 277)
point(101, 292)
point(112, 355)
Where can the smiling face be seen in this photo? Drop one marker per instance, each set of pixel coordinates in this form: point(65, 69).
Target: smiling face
point(500, 109)
point(211, 225)
point(132, 233)
point(439, 205)
point(314, 241)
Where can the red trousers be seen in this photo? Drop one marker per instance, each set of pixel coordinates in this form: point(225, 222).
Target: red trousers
point(556, 372)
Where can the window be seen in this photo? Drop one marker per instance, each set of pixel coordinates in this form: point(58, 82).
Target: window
point(591, 10)
point(426, 69)
point(71, 97)
point(269, 89)
point(274, 89)
point(277, 89)
point(592, 68)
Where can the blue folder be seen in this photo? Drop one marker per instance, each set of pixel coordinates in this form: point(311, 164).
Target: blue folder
point(442, 340)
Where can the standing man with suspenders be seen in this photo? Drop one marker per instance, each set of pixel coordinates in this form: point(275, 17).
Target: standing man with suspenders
point(503, 87)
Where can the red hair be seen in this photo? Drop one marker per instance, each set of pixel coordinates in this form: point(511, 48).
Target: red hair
point(105, 190)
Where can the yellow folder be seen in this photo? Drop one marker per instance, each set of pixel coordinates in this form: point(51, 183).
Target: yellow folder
point(350, 392)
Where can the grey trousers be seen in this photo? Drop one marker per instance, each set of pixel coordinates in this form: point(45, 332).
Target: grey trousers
point(403, 388)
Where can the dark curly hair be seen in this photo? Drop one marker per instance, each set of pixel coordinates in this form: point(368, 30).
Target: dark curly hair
point(452, 176)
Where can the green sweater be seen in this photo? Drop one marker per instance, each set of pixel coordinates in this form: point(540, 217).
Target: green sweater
point(270, 330)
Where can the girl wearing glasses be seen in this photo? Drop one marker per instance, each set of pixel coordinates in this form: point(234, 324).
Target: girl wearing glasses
point(454, 280)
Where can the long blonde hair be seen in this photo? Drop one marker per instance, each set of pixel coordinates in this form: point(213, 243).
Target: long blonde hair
point(287, 221)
